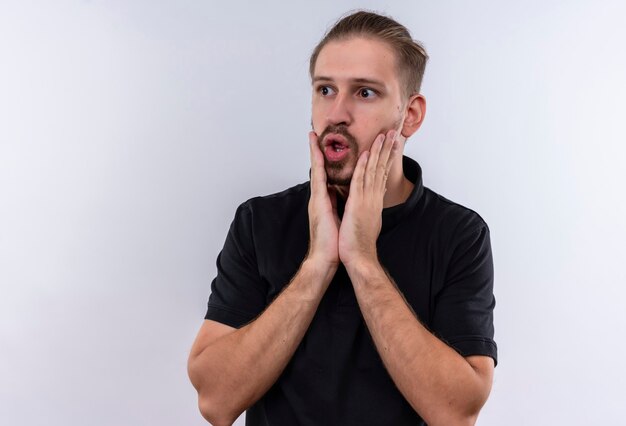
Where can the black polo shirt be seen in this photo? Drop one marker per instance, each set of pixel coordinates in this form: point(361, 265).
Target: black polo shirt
point(439, 255)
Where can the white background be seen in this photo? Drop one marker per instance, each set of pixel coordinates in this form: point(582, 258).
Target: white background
point(131, 130)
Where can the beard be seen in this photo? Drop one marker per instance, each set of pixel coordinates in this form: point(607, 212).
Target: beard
point(340, 172)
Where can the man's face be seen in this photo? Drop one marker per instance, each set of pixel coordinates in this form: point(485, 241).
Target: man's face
point(356, 96)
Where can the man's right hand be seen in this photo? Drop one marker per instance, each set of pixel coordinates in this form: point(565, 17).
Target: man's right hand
point(227, 385)
point(323, 218)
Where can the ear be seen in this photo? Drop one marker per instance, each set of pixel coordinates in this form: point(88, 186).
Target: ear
point(415, 112)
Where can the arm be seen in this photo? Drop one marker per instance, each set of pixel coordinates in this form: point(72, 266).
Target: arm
point(441, 385)
point(232, 368)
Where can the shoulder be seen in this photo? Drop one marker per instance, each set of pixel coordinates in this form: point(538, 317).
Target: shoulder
point(261, 222)
point(274, 211)
point(453, 219)
point(279, 201)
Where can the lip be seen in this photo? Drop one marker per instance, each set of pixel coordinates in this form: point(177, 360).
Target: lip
point(333, 138)
point(329, 143)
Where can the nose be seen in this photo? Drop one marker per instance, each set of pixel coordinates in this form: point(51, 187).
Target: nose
point(340, 111)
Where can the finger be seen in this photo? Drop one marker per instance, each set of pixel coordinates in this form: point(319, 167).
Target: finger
point(318, 173)
point(370, 174)
point(384, 160)
point(358, 176)
point(332, 194)
point(394, 153)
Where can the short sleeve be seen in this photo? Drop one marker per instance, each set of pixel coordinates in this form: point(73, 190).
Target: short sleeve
point(463, 315)
point(238, 293)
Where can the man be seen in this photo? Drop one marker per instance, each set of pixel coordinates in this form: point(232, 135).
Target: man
point(360, 297)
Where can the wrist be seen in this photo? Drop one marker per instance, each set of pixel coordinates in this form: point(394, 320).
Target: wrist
point(363, 266)
point(310, 282)
point(358, 254)
point(319, 269)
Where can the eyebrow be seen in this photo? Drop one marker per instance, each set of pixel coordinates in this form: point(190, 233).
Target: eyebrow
point(353, 80)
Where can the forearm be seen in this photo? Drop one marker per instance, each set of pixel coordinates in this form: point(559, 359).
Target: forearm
point(438, 382)
point(236, 370)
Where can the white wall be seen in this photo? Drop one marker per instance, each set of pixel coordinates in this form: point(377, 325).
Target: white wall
point(130, 131)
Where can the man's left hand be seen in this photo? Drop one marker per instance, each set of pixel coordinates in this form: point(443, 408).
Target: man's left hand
point(362, 218)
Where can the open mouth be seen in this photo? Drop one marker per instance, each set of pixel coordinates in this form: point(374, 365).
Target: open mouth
point(336, 147)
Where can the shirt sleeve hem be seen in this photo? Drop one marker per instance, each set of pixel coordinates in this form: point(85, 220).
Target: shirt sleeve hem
point(475, 345)
point(227, 316)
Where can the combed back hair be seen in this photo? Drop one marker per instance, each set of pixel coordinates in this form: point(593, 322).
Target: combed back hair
point(411, 56)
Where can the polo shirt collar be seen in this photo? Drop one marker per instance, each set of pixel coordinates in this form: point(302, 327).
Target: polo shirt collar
point(393, 215)
point(413, 172)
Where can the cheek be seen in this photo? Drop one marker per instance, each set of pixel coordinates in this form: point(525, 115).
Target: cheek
point(316, 123)
point(391, 120)
point(318, 114)
point(377, 123)
point(381, 116)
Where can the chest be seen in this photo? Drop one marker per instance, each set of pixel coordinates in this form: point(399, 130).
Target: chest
point(414, 260)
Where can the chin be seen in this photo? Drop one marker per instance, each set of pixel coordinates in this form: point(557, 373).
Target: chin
point(340, 173)
point(338, 177)
point(339, 182)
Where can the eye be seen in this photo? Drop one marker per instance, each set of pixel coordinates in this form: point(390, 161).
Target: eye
point(325, 90)
point(367, 93)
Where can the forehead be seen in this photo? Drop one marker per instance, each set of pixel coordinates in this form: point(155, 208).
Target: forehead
point(355, 58)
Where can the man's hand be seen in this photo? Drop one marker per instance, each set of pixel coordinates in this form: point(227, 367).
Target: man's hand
point(362, 219)
point(323, 218)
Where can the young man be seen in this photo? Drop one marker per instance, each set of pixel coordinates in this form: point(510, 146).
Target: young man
point(360, 297)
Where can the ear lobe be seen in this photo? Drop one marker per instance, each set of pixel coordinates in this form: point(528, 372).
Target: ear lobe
point(416, 110)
